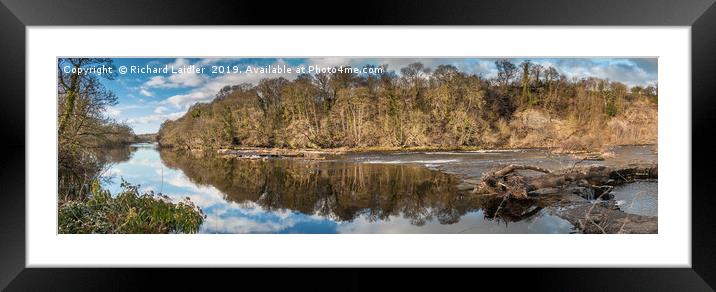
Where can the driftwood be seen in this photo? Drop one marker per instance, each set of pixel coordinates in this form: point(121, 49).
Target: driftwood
point(513, 195)
point(596, 216)
point(600, 217)
point(594, 181)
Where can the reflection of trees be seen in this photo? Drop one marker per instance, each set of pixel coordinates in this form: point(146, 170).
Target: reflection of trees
point(340, 190)
point(74, 178)
point(116, 154)
point(501, 209)
point(345, 191)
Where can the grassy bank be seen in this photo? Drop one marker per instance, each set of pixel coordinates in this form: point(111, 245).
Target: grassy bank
point(128, 212)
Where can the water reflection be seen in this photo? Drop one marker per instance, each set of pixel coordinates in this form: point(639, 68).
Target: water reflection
point(338, 196)
point(337, 190)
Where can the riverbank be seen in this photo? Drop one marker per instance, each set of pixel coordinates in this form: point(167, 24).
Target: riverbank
point(128, 211)
point(321, 154)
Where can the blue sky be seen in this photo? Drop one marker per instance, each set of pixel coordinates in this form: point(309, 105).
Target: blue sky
point(146, 100)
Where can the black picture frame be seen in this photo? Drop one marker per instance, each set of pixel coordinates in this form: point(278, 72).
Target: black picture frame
point(16, 15)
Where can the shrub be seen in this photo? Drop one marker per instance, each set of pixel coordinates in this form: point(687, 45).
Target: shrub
point(128, 212)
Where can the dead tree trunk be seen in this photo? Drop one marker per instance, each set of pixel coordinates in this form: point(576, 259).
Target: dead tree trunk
point(598, 179)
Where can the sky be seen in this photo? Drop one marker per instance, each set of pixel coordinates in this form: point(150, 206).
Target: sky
point(146, 99)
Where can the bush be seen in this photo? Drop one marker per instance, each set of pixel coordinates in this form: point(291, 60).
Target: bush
point(128, 212)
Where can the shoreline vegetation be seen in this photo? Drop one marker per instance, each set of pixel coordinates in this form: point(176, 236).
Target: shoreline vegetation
point(128, 211)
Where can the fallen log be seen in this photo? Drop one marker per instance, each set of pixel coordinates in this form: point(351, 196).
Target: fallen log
point(594, 181)
point(512, 168)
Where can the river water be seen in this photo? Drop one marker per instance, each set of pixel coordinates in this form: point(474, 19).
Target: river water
point(407, 192)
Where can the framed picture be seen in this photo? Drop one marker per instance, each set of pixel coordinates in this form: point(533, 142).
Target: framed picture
point(507, 135)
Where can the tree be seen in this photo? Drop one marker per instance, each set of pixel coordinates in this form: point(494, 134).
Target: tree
point(83, 127)
point(445, 74)
point(505, 72)
point(525, 83)
point(535, 72)
point(414, 76)
point(81, 95)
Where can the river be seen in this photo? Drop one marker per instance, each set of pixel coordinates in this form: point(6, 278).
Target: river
point(407, 192)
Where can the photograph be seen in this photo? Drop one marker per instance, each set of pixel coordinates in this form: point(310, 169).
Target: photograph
point(196, 141)
point(361, 145)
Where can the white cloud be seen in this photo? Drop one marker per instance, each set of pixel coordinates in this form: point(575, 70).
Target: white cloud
point(156, 81)
point(185, 80)
point(482, 67)
point(623, 70)
point(208, 61)
point(156, 118)
point(179, 62)
point(145, 92)
point(209, 89)
point(160, 110)
point(330, 62)
point(112, 112)
point(176, 80)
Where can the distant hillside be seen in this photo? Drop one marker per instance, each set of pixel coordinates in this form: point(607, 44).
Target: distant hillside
point(524, 106)
point(147, 138)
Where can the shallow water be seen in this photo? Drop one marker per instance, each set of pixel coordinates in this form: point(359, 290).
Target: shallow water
point(411, 192)
point(638, 198)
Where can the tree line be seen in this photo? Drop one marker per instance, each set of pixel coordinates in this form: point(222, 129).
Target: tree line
point(441, 107)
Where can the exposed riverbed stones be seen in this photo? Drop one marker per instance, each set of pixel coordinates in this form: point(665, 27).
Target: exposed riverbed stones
point(273, 153)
